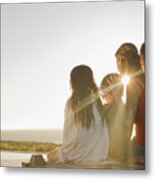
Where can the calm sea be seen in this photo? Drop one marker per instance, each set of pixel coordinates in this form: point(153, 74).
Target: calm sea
point(14, 159)
point(54, 136)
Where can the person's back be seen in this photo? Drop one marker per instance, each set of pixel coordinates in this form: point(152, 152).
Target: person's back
point(114, 115)
point(85, 135)
point(116, 128)
point(82, 145)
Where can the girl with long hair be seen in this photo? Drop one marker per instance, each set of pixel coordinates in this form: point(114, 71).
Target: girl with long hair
point(128, 63)
point(85, 135)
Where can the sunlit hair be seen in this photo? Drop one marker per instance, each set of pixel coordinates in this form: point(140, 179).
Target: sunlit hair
point(83, 90)
point(130, 56)
point(106, 87)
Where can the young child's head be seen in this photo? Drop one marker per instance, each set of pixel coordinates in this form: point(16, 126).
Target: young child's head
point(106, 86)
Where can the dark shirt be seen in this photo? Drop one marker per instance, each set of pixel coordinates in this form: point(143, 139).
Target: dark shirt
point(140, 114)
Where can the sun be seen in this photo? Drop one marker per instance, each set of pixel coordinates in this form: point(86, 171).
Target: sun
point(125, 80)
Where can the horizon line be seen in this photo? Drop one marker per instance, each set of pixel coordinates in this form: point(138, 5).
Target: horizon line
point(32, 129)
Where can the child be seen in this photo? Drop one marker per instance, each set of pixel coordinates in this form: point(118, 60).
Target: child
point(114, 114)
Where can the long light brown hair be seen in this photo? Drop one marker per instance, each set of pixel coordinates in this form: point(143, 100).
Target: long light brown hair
point(130, 57)
point(84, 89)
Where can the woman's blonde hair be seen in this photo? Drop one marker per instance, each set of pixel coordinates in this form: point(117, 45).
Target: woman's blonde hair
point(129, 53)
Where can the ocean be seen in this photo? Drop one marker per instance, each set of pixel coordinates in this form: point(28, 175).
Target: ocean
point(53, 136)
point(14, 159)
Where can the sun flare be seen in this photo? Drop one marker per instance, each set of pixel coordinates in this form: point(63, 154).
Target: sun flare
point(125, 80)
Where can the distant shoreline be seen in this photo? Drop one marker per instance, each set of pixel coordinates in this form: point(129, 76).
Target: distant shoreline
point(27, 146)
point(43, 136)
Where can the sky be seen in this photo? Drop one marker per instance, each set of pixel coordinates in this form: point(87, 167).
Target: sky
point(42, 42)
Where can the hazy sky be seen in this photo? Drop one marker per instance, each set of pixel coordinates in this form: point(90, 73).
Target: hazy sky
point(41, 43)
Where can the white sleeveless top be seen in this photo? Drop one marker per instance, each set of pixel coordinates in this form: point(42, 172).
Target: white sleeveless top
point(82, 145)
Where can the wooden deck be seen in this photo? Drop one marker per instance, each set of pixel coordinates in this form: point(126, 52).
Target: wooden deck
point(133, 164)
